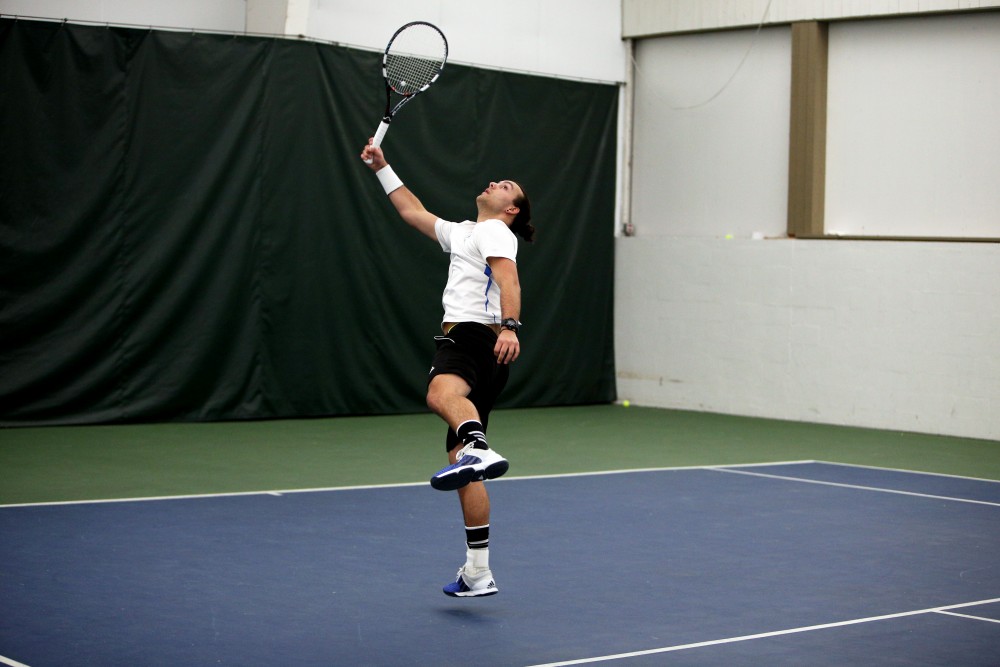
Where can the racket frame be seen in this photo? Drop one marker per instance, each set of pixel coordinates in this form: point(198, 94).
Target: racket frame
point(391, 111)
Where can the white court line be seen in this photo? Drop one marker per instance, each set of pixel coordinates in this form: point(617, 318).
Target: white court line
point(975, 618)
point(361, 487)
point(195, 496)
point(665, 469)
point(912, 472)
point(762, 635)
point(12, 663)
point(857, 486)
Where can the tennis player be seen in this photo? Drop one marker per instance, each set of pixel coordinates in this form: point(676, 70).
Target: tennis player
point(482, 305)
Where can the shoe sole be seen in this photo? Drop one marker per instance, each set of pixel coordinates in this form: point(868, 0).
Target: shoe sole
point(473, 594)
point(457, 480)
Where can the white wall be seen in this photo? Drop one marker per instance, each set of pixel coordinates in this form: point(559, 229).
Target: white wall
point(895, 335)
point(704, 166)
point(568, 38)
point(220, 15)
point(913, 131)
point(889, 335)
point(645, 18)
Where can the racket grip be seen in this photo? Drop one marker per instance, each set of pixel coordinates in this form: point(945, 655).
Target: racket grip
point(379, 135)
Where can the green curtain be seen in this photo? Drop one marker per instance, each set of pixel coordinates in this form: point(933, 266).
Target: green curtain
point(187, 232)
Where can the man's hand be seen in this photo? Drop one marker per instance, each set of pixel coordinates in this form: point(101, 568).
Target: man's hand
point(508, 347)
point(369, 152)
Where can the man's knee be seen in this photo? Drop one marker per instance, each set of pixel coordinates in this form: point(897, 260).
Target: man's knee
point(435, 400)
point(443, 390)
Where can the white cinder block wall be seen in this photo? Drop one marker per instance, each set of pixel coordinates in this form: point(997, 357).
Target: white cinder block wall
point(881, 334)
point(896, 335)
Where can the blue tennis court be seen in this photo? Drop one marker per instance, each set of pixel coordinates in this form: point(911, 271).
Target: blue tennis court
point(782, 564)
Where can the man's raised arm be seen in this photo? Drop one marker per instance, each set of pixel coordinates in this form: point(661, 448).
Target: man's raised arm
point(407, 205)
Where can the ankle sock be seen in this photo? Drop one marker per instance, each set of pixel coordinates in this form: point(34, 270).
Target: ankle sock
point(471, 432)
point(477, 537)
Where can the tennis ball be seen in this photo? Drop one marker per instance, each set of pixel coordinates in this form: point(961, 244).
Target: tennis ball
point(625, 404)
point(729, 237)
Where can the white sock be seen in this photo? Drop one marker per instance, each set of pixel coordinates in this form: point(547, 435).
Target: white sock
point(477, 559)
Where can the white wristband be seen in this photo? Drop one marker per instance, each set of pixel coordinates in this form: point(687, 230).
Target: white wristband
point(388, 178)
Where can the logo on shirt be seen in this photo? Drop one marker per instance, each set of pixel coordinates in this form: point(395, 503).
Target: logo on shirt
point(489, 284)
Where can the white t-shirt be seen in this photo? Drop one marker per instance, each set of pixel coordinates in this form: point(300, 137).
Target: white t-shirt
point(471, 294)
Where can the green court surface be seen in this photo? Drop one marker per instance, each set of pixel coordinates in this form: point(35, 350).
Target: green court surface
point(126, 461)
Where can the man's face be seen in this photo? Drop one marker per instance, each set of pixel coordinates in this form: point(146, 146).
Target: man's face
point(499, 196)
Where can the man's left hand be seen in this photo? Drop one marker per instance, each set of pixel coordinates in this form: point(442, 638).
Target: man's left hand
point(508, 347)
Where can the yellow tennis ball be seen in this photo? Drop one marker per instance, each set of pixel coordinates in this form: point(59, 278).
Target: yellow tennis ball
point(625, 404)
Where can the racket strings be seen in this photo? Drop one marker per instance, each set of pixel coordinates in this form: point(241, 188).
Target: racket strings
point(407, 74)
point(414, 58)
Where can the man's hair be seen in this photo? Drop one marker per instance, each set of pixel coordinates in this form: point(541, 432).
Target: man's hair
point(522, 221)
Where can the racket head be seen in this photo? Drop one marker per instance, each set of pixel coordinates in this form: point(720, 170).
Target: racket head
point(414, 58)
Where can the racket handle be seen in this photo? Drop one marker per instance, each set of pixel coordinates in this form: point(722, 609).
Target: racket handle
point(379, 135)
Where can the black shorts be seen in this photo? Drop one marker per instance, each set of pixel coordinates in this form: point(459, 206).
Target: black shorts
point(467, 351)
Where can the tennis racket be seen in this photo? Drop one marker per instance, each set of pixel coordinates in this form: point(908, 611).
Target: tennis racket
point(412, 61)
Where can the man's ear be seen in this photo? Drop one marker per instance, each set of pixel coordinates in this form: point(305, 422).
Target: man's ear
point(512, 210)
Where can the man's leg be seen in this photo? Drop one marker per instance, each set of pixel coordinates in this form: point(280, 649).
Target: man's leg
point(474, 499)
point(475, 579)
point(448, 397)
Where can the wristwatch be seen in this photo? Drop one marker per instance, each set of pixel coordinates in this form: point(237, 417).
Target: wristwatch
point(511, 323)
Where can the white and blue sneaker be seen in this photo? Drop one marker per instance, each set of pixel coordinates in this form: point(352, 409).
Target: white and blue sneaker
point(472, 582)
point(471, 465)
